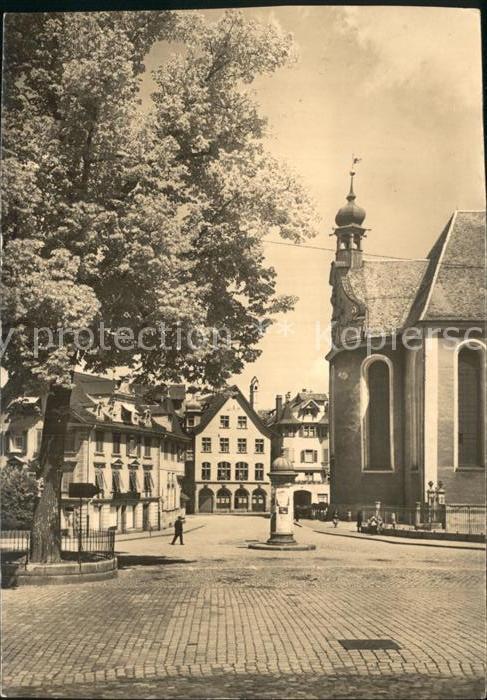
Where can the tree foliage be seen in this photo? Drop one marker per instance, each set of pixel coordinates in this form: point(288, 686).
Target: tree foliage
point(18, 493)
point(131, 219)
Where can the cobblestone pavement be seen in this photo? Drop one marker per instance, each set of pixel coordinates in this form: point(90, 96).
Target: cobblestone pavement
point(215, 619)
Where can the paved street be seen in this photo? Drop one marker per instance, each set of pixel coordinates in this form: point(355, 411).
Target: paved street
point(215, 619)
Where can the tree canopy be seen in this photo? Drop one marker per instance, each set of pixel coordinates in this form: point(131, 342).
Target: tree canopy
point(122, 218)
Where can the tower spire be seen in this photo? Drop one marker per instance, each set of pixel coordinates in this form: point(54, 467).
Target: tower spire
point(349, 231)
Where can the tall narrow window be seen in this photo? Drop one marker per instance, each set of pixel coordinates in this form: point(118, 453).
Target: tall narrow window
point(147, 446)
point(133, 483)
point(206, 471)
point(378, 418)
point(469, 408)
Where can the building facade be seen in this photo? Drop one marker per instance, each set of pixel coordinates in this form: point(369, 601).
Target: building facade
point(407, 367)
point(132, 451)
point(301, 427)
point(231, 457)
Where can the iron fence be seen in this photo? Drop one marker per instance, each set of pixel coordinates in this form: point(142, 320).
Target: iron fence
point(91, 542)
point(462, 519)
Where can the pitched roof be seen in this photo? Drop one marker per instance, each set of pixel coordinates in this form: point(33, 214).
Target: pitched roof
point(388, 289)
point(286, 417)
point(448, 285)
point(217, 401)
point(454, 285)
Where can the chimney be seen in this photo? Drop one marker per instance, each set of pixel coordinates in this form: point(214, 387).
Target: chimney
point(278, 406)
point(254, 387)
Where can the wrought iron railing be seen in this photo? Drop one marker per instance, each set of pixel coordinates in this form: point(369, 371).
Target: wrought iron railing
point(463, 519)
point(96, 542)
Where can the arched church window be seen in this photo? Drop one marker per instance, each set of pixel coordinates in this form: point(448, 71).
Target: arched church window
point(377, 415)
point(470, 428)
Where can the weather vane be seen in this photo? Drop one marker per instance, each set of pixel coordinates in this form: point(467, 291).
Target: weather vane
point(354, 161)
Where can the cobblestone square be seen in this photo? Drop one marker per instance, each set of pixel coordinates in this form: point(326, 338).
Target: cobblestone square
point(213, 618)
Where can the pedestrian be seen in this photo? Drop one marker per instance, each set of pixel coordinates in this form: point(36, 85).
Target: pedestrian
point(296, 514)
point(335, 518)
point(360, 519)
point(178, 530)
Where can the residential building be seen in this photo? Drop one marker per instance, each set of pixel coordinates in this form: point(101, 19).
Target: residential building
point(132, 451)
point(407, 367)
point(301, 427)
point(231, 458)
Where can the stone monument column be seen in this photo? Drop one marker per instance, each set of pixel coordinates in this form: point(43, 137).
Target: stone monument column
point(282, 476)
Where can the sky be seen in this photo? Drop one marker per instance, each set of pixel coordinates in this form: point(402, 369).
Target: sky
point(399, 87)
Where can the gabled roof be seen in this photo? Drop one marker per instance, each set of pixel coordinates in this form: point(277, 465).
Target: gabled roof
point(449, 285)
point(454, 285)
point(216, 402)
point(388, 289)
point(287, 417)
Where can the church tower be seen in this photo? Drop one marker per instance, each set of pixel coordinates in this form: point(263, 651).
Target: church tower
point(349, 231)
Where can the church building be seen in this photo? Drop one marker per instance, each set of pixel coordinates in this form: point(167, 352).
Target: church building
point(407, 367)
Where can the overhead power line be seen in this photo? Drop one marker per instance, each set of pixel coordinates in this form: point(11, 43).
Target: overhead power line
point(333, 250)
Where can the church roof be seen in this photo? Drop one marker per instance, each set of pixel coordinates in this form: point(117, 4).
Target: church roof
point(388, 289)
point(453, 287)
point(449, 285)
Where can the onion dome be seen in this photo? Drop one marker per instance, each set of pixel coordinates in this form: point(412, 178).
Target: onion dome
point(351, 213)
point(281, 464)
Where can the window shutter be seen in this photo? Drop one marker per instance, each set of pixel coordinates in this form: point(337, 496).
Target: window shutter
point(24, 442)
point(325, 455)
point(302, 455)
point(315, 455)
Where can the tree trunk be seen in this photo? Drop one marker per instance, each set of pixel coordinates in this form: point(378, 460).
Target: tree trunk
point(46, 528)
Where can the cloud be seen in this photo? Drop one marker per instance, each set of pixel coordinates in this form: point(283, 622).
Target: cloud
point(438, 47)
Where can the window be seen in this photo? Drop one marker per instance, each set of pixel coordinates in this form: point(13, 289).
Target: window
point(309, 456)
point(133, 484)
point(205, 471)
point(38, 441)
point(377, 417)
point(322, 498)
point(308, 431)
point(223, 471)
point(147, 446)
point(190, 421)
point(66, 480)
point(206, 444)
point(131, 445)
point(242, 471)
point(470, 426)
point(242, 445)
point(139, 445)
point(224, 445)
point(223, 499)
point(148, 484)
point(99, 440)
point(259, 446)
point(242, 422)
point(116, 442)
point(100, 482)
point(116, 487)
point(224, 421)
point(259, 471)
point(70, 441)
point(19, 442)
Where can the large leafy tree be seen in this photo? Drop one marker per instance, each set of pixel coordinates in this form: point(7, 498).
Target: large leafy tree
point(115, 218)
point(18, 495)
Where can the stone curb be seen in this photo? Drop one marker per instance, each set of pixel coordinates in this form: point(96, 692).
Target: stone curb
point(400, 540)
point(57, 574)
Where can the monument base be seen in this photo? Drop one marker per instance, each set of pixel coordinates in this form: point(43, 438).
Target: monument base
point(282, 546)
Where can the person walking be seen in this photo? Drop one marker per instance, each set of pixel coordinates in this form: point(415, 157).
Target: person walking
point(178, 530)
point(360, 520)
point(335, 518)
